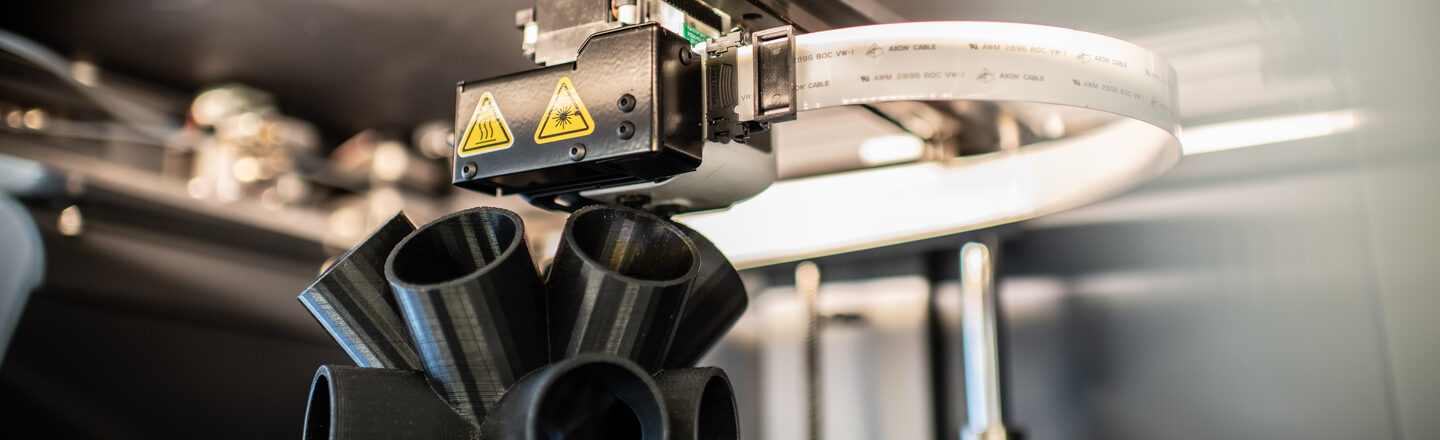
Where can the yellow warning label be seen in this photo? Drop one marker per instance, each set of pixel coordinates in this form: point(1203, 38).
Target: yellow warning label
point(566, 117)
point(487, 131)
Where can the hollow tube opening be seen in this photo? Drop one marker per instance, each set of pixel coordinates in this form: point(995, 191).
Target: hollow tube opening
point(717, 419)
point(599, 401)
point(456, 246)
point(631, 244)
point(317, 414)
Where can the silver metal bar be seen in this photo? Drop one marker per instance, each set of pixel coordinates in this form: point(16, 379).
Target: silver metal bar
point(982, 366)
point(807, 285)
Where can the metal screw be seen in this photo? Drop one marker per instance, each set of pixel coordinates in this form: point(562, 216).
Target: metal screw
point(468, 170)
point(686, 56)
point(625, 130)
point(577, 152)
point(626, 103)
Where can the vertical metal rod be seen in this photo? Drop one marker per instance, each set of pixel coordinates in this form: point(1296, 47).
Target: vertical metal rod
point(982, 364)
point(807, 285)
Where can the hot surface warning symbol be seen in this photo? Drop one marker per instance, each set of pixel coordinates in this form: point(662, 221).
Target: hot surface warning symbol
point(566, 117)
point(487, 131)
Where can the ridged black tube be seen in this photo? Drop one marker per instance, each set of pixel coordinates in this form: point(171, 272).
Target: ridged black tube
point(617, 285)
point(700, 404)
point(474, 304)
point(716, 301)
point(378, 403)
point(595, 396)
point(353, 302)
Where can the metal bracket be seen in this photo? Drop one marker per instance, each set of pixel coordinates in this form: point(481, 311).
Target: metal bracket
point(775, 74)
point(749, 83)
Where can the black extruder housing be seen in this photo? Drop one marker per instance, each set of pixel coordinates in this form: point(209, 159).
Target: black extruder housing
point(653, 134)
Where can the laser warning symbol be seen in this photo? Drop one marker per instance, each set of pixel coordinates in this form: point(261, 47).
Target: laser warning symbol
point(566, 117)
point(487, 131)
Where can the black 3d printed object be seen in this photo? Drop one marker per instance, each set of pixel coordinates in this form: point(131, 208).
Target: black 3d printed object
point(464, 340)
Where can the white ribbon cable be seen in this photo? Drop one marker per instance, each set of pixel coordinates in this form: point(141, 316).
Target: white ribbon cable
point(805, 218)
point(984, 61)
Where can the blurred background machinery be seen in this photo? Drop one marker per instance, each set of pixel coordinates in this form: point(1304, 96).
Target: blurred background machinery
point(177, 171)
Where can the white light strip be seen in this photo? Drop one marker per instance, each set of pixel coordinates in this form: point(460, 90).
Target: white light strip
point(888, 149)
point(817, 216)
point(1262, 131)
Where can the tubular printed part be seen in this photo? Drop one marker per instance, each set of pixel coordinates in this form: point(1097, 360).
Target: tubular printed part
point(618, 284)
point(593, 396)
point(382, 403)
point(716, 301)
point(353, 302)
point(474, 304)
point(701, 404)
